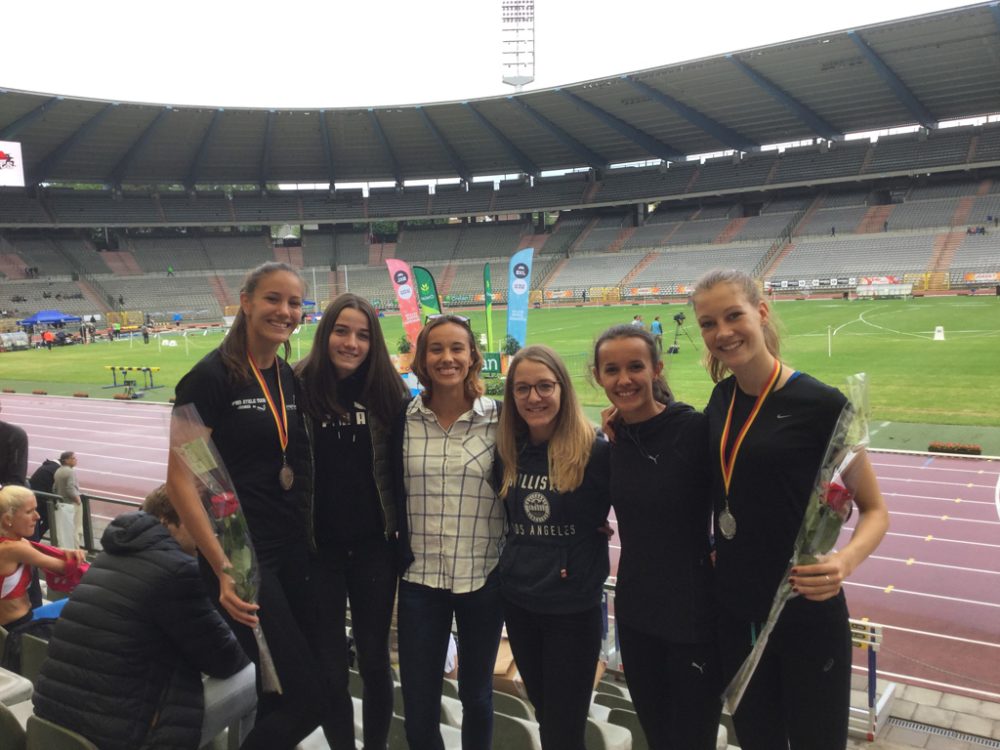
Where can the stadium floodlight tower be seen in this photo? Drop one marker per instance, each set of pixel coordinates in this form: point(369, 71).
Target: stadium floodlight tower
point(518, 42)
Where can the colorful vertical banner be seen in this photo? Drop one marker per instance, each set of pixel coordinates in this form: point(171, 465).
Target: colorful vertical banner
point(409, 308)
point(488, 299)
point(11, 164)
point(518, 287)
point(427, 292)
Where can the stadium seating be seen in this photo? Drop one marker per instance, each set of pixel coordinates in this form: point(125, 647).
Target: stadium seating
point(868, 255)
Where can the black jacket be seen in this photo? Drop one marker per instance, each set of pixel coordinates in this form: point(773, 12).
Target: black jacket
point(555, 560)
point(660, 489)
point(125, 659)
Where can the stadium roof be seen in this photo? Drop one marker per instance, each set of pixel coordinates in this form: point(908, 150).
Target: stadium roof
point(920, 70)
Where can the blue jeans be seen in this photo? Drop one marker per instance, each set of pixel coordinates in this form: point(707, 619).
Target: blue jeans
point(425, 616)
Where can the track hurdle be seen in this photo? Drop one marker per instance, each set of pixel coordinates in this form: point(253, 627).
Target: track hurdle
point(127, 382)
point(866, 721)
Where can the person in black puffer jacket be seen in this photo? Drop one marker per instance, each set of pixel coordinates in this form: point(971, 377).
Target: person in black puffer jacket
point(126, 657)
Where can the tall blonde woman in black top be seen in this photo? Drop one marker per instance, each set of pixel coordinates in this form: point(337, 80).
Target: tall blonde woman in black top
point(769, 426)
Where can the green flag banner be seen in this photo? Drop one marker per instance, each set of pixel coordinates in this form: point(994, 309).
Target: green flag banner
point(430, 303)
point(488, 298)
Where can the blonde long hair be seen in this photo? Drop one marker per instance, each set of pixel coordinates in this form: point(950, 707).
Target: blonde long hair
point(751, 290)
point(573, 438)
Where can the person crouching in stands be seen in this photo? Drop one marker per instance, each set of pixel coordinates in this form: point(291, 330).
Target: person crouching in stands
point(126, 657)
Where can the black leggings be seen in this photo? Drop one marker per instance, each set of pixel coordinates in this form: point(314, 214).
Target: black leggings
point(675, 688)
point(557, 658)
point(365, 572)
point(799, 697)
point(291, 627)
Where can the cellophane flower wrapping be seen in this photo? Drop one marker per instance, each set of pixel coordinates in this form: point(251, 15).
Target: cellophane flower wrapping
point(829, 507)
point(191, 441)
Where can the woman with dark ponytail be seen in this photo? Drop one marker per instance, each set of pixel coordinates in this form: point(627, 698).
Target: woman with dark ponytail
point(664, 610)
point(246, 396)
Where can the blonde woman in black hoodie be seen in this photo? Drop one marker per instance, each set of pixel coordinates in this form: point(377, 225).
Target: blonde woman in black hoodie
point(664, 610)
point(552, 473)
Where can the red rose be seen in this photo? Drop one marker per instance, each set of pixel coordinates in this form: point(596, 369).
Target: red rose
point(224, 505)
point(838, 497)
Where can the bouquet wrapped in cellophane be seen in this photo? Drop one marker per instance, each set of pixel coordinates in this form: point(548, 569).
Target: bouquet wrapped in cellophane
point(828, 508)
point(192, 443)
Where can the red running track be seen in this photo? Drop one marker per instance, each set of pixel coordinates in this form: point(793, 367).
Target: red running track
point(937, 572)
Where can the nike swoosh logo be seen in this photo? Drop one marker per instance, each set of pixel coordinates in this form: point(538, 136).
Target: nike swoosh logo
point(784, 416)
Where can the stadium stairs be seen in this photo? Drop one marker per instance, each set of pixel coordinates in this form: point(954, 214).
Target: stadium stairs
point(93, 296)
point(874, 220)
point(447, 278)
point(122, 263)
point(963, 210)
point(640, 267)
point(945, 247)
point(732, 229)
point(583, 235)
point(220, 291)
point(621, 239)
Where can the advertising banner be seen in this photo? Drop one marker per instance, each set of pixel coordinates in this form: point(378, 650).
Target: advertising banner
point(11, 164)
point(409, 307)
point(518, 287)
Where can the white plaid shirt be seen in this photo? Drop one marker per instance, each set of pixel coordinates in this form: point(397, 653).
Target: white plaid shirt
point(456, 520)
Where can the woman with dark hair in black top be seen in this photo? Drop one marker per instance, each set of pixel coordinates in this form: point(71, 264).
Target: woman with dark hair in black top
point(351, 394)
point(664, 611)
point(769, 426)
point(246, 396)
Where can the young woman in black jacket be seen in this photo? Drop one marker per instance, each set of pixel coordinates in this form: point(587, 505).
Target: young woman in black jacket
point(351, 393)
point(552, 473)
point(664, 611)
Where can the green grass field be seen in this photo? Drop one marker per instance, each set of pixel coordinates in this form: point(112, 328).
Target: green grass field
point(912, 377)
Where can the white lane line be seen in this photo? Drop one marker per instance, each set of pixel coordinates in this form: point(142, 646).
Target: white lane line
point(946, 687)
point(996, 497)
point(861, 318)
point(119, 475)
point(934, 498)
point(102, 457)
point(942, 597)
point(932, 538)
point(944, 517)
point(59, 447)
point(922, 469)
point(943, 636)
point(932, 481)
point(924, 563)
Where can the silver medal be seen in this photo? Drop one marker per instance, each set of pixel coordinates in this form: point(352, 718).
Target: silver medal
point(727, 524)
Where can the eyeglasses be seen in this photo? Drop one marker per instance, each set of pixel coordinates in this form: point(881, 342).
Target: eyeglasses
point(544, 389)
point(450, 317)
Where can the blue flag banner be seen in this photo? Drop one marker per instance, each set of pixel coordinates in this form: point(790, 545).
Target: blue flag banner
point(518, 289)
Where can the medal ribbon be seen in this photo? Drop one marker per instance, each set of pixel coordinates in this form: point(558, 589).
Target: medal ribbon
point(280, 421)
point(727, 466)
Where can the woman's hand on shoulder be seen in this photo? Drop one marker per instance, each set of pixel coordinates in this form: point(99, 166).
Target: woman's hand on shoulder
point(608, 416)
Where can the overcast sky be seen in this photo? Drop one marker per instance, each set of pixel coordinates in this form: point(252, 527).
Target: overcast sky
point(322, 53)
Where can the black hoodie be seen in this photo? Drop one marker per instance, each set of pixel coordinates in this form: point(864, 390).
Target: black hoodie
point(555, 560)
point(660, 482)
